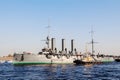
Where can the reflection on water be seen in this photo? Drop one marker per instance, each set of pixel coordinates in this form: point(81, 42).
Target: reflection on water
point(60, 72)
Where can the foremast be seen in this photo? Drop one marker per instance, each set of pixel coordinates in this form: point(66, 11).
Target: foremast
point(48, 36)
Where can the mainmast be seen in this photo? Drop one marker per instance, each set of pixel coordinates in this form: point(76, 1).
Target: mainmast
point(92, 40)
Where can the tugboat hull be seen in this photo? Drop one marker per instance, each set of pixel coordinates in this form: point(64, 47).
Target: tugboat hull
point(117, 60)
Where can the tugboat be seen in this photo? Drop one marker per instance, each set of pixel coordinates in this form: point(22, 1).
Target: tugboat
point(88, 58)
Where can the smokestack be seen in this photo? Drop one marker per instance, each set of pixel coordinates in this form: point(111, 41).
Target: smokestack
point(63, 44)
point(53, 43)
point(72, 44)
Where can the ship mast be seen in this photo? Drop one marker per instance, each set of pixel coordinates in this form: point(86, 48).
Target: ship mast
point(92, 40)
point(48, 36)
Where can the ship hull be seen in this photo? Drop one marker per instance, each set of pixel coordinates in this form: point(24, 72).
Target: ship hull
point(28, 59)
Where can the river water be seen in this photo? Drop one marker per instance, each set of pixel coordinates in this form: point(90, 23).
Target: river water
point(106, 71)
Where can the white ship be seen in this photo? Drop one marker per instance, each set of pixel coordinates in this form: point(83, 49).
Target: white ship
point(48, 55)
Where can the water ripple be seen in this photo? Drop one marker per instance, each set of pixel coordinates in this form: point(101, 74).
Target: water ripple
point(109, 71)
